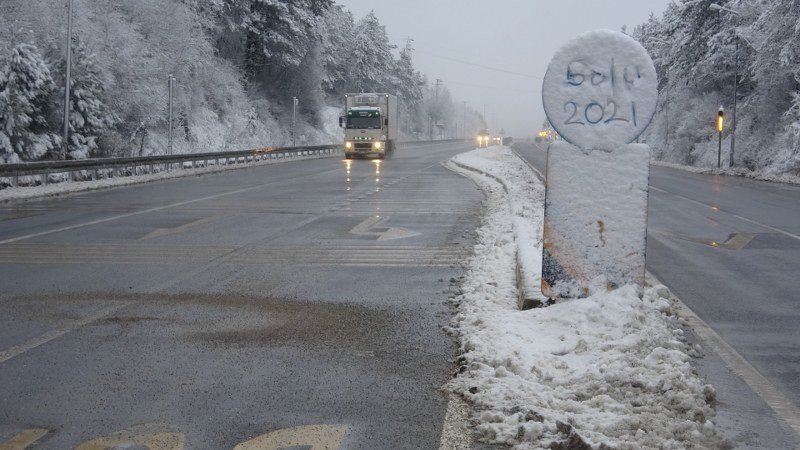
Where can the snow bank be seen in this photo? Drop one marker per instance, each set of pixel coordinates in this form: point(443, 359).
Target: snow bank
point(736, 171)
point(608, 370)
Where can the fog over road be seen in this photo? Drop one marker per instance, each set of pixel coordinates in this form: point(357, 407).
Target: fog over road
point(227, 306)
point(729, 247)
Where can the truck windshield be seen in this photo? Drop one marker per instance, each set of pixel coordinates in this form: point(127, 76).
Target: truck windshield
point(362, 123)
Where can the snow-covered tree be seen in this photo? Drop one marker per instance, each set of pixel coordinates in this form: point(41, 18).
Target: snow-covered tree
point(371, 61)
point(89, 116)
point(26, 90)
point(338, 39)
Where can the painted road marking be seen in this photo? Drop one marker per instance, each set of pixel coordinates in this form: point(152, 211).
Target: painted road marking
point(783, 407)
point(318, 437)
point(155, 441)
point(735, 242)
point(159, 232)
point(717, 209)
point(132, 214)
point(366, 228)
point(17, 350)
point(456, 433)
point(24, 439)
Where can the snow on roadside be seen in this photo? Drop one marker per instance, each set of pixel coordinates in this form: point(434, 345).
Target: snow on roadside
point(61, 188)
point(610, 370)
point(736, 171)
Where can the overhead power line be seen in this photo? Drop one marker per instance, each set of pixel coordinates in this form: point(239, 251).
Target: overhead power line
point(482, 66)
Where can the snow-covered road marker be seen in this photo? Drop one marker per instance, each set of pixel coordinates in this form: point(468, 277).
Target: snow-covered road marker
point(611, 369)
point(599, 93)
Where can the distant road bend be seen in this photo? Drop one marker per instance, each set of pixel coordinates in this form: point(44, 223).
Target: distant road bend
point(279, 304)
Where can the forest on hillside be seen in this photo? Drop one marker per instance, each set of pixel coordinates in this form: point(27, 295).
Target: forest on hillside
point(694, 49)
point(237, 65)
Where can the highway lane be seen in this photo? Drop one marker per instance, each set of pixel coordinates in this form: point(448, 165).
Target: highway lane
point(730, 249)
point(213, 310)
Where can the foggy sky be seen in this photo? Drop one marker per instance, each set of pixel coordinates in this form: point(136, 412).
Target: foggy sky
point(511, 35)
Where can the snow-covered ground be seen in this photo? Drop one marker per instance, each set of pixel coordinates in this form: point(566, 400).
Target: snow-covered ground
point(608, 370)
point(736, 171)
point(27, 192)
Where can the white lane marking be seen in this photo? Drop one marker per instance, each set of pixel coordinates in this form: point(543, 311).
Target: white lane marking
point(456, 434)
point(123, 216)
point(784, 408)
point(318, 437)
point(17, 350)
point(754, 222)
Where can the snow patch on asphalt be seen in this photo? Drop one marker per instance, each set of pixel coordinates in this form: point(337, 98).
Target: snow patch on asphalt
point(608, 370)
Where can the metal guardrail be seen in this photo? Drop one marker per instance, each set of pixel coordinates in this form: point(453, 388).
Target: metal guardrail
point(90, 169)
point(141, 165)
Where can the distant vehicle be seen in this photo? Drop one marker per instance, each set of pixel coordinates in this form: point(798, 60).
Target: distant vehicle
point(546, 136)
point(370, 125)
point(483, 139)
point(497, 140)
point(507, 141)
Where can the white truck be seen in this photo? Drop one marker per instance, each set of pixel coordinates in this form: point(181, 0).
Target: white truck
point(370, 125)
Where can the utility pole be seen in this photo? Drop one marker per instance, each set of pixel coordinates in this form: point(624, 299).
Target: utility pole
point(436, 106)
point(720, 127)
point(735, 94)
point(295, 102)
point(465, 122)
point(65, 147)
point(171, 84)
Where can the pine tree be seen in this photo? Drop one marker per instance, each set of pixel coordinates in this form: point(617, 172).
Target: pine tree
point(372, 62)
point(26, 89)
point(338, 39)
point(279, 35)
point(89, 116)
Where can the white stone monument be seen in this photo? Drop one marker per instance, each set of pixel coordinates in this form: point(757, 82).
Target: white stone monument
point(600, 94)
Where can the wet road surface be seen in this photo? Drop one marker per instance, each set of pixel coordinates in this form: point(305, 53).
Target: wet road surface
point(284, 305)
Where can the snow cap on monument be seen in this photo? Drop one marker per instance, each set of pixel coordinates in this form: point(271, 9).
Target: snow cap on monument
point(600, 90)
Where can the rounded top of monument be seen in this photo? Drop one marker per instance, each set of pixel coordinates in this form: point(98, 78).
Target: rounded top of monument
point(600, 90)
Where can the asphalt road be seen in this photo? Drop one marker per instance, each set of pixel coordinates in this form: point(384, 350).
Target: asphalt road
point(214, 310)
point(729, 248)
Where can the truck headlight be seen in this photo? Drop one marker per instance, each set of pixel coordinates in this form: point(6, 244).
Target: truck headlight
point(348, 145)
point(377, 145)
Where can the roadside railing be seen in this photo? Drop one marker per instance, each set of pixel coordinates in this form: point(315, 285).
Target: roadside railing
point(94, 169)
point(44, 172)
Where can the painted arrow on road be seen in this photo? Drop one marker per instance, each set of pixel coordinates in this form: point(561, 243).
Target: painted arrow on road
point(368, 228)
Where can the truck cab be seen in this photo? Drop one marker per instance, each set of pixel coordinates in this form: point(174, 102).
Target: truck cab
point(369, 124)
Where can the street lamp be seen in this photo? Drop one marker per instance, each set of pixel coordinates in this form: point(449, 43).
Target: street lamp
point(65, 147)
point(720, 8)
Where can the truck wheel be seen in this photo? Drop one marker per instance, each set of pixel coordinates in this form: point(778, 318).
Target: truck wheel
point(348, 156)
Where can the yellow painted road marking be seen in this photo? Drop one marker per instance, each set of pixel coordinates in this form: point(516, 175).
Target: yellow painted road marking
point(24, 439)
point(158, 232)
point(318, 437)
point(17, 350)
point(156, 441)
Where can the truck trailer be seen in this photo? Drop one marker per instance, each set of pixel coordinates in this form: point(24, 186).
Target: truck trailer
point(370, 125)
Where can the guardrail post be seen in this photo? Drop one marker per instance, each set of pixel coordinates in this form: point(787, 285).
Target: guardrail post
point(15, 180)
point(44, 179)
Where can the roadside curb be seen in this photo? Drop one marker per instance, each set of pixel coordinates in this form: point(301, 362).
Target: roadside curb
point(529, 295)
